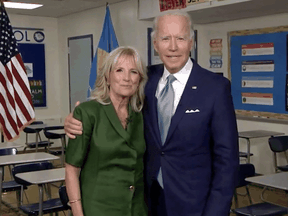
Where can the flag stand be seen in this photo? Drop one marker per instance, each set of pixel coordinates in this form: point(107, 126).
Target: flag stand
point(2, 137)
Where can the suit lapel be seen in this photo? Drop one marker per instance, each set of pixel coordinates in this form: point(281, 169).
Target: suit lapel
point(152, 101)
point(115, 122)
point(187, 99)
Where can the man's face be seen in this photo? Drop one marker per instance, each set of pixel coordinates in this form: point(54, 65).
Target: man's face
point(172, 42)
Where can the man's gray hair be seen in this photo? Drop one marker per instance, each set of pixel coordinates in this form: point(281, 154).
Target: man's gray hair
point(173, 13)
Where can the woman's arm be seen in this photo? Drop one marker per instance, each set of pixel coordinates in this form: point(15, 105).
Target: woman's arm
point(73, 188)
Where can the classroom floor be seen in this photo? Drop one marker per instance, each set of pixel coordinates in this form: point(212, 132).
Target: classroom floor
point(32, 194)
point(275, 196)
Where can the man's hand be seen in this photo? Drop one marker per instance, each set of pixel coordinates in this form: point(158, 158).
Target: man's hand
point(72, 126)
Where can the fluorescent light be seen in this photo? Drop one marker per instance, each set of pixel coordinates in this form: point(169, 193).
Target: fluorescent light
point(18, 5)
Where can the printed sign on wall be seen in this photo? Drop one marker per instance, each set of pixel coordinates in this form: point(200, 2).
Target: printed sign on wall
point(257, 98)
point(258, 49)
point(191, 2)
point(32, 49)
point(216, 53)
point(171, 4)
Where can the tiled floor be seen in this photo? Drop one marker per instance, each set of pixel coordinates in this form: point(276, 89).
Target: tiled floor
point(32, 194)
point(275, 196)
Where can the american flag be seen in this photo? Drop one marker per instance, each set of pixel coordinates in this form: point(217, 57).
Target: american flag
point(16, 108)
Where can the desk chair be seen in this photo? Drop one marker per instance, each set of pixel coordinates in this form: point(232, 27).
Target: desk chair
point(41, 143)
point(279, 145)
point(50, 136)
point(64, 197)
point(245, 155)
point(50, 205)
point(8, 186)
point(245, 171)
point(259, 209)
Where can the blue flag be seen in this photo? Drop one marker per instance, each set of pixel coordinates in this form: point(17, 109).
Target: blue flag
point(107, 43)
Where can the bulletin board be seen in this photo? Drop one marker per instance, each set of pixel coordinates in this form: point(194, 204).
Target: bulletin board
point(259, 72)
point(33, 56)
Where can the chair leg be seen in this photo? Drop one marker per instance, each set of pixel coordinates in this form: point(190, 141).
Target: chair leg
point(18, 198)
point(26, 198)
point(248, 193)
point(275, 162)
point(236, 199)
point(21, 195)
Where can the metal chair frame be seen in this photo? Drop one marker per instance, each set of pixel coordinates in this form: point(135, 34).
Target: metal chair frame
point(279, 145)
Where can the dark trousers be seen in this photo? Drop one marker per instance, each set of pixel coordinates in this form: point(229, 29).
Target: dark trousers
point(158, 207)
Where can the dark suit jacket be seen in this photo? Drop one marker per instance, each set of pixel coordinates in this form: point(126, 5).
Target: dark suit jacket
point(199, 159)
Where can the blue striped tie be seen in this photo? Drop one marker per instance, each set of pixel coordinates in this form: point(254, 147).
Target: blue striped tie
point(165, 113)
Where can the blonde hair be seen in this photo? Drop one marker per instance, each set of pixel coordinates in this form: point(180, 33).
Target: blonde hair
point(101, 91)
point(172, 13)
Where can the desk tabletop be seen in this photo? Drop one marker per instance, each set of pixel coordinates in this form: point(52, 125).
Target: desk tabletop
point(277, 180)
point(58, 131)
point(43, 176)
point(258, 134)
point(26, 158)
point(6, 145)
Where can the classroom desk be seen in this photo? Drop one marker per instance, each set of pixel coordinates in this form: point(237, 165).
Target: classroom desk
point(43, 177)
point(247, 135)
point(277, 180)
point(19, 159)
point(62, 133)
point(6, 145)
point(37, 128)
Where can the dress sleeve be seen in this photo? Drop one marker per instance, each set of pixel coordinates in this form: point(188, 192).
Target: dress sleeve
point(78, 148)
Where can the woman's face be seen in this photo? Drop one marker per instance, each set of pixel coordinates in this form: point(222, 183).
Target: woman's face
point(124, 78)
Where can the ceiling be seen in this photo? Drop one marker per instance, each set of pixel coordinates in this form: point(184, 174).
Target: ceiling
point(58, 8)
point(240, 10)
point(244, 9)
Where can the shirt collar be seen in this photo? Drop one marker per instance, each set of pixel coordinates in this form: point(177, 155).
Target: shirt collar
point(182, 75)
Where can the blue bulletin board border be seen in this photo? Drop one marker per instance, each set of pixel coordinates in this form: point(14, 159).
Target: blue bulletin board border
point(279, 37)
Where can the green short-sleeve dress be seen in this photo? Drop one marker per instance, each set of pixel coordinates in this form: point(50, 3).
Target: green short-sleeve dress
point(111, 161)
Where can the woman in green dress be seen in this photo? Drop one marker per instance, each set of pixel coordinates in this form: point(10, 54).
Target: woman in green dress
point(104, 166)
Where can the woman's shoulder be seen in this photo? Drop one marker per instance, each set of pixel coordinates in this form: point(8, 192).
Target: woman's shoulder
point(88, 106)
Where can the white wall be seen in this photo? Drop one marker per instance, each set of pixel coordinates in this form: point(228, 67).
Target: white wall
point(128, 30)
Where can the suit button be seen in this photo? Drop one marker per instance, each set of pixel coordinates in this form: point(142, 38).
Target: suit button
point(162, 153)
point(131, 188)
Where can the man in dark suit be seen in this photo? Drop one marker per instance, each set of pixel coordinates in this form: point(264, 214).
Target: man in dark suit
point(190, 129)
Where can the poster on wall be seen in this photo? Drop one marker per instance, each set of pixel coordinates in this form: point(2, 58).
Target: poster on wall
point(32, 48)
point(215, 53)
point(257, 49)
point(171, 4)
point(258, 66)
point(257, 82)
point(153, 57)
point(286, 92)
point(257, 98)
point(192, 2)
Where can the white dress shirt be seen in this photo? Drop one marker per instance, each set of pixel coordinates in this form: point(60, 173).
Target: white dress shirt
point(178, 85)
